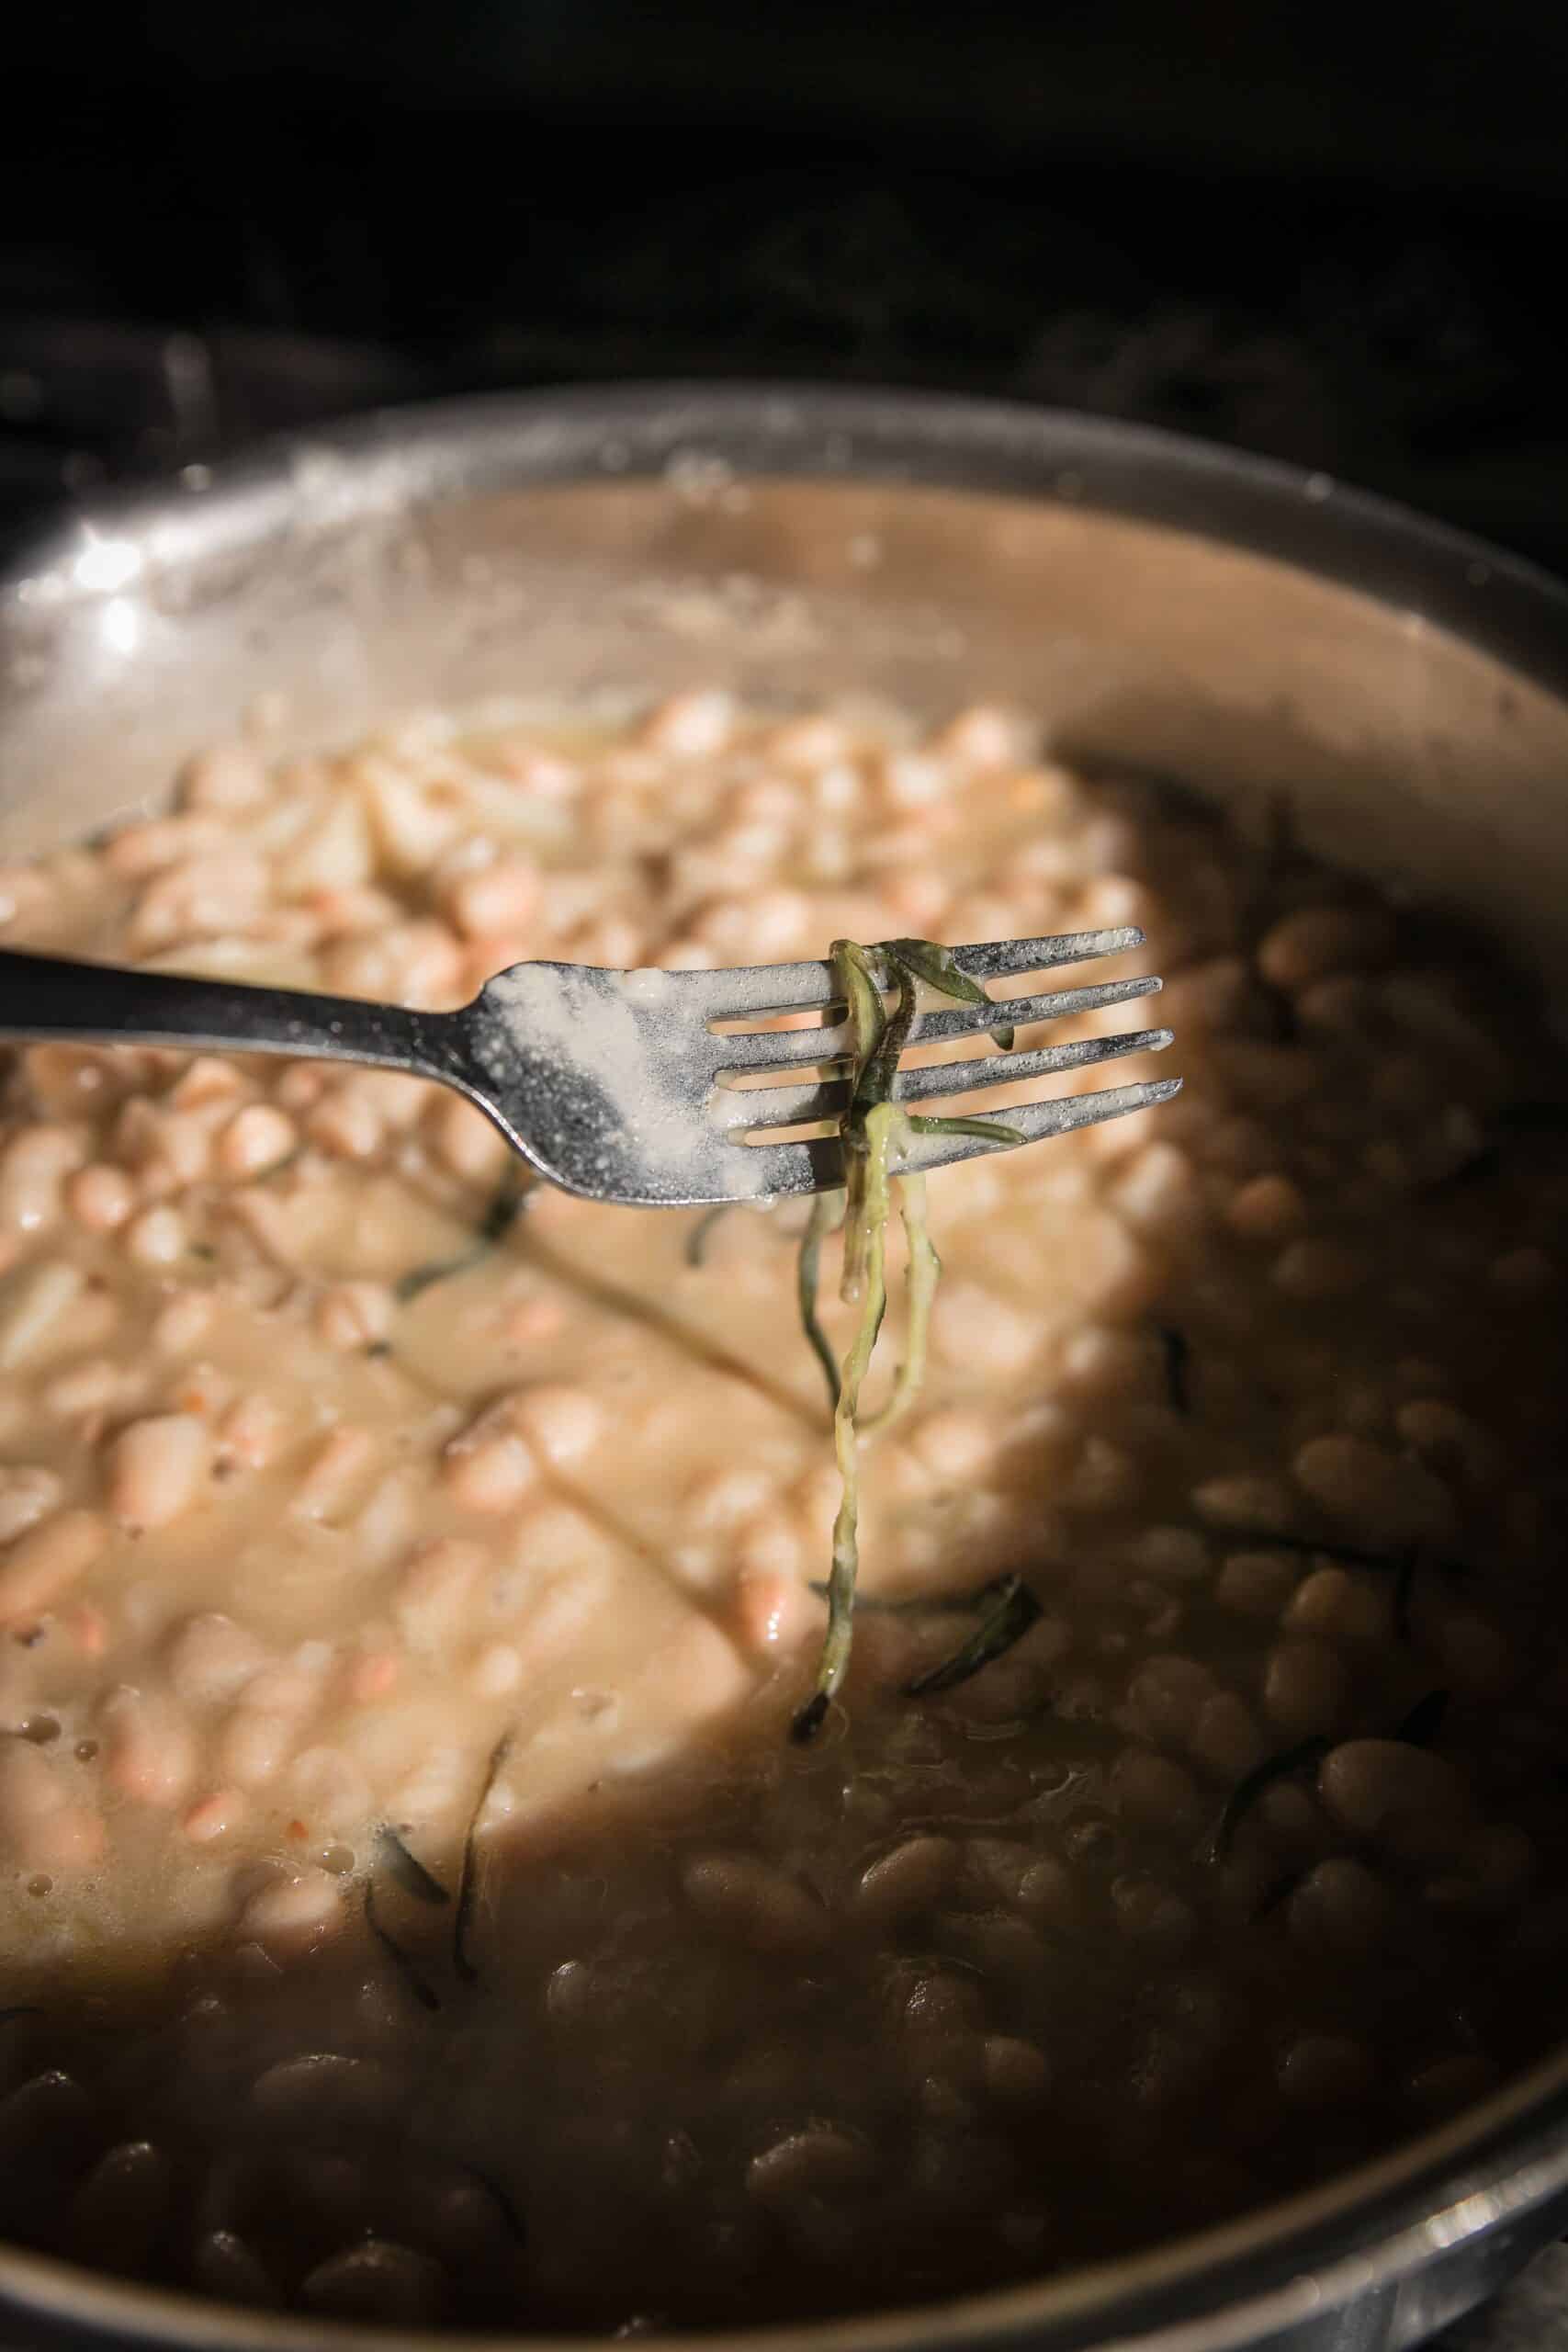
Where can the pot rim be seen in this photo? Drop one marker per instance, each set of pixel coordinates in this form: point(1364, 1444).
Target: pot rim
point(384, 462)
point(1364, 2231)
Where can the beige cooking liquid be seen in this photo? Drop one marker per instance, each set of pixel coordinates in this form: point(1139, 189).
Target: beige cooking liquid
point(727, 2028)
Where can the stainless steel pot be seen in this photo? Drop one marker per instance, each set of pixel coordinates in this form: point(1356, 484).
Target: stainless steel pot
point(1163, 606)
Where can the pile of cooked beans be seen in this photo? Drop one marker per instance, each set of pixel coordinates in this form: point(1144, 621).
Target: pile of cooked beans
point(410, 1903)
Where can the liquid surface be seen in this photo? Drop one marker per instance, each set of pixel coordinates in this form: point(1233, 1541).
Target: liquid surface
point(410, 1903)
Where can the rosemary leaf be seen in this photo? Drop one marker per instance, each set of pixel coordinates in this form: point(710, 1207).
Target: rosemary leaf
point(1014, 1610)
point(1283, 1766)
point(698, 1239)
point(1278, 1890)
point(423, 1992)
point(1177, 1360)
point(407, 1869)
point(922, 1272)
point(880, 1126)
point(989, 1130)
point(936, 966)
point(504, 2204)
point(1421, 1727)
point(827, 1208)
point(1353, 1555)
point(874, 1135)
point(468, 1885)
point(500, 1215)
point(922, 1604)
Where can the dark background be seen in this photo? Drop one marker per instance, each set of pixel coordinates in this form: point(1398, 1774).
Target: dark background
point(1330, 233)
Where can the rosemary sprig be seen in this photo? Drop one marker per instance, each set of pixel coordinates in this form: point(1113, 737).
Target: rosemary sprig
point(424, 1992)
point(1354, 1555)
point(1013, 1612)
point(502, 1213)
point(938, 968)
point(1418, 1728)
point(874, 1134)
point(1283, 1766)
point(467, 1883)
point(827, 1208)
point(925, 1604)
point(697, 1237)
point(407, 1869)
point(1178, 1353)
point(1425, 1720)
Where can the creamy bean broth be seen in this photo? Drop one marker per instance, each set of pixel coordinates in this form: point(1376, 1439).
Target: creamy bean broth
point(411, 1901)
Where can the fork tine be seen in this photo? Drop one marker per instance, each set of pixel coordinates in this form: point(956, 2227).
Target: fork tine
point(817, 1165)
point(763, 1049)
point(999, 1069)
point(1021, 1012)
point(757, 990)
point(779, 1107)
point(765, 989)
point(1033, 1120)
point(997, 959)
point(776, 1049)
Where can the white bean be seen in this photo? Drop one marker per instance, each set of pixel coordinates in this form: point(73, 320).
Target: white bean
point(376, 2280)
point(44, 1564)
point(749, 1901)
point(1412, 1804)
point(156, 1467)
point(119, 2210)
point(290, 1915)
point(1305, 1687)
point(223, 2266)
point(150, 1753)
point(1387, 1499)
point(1342, 1911)
point(907, 1880)
point(1325, 2070)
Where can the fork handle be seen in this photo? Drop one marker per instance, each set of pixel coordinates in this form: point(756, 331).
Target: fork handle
point(52, 996)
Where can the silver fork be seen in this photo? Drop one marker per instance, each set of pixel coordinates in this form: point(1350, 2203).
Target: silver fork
point(615, 1084)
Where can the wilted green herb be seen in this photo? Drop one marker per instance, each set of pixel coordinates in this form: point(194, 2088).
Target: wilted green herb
point(1278, 1890)
point(874, 1133)
point(407, 1869)
point(697, 1237)
point(826, 1210)
point(504, 2204)
point(1352, 1555)
point(938, 968)
point(926, 1604)
point(1421, 1727)
point(1178, 1353)
point(468, 1885)
point(1011, 1616)
point(1302, 1757)
point(496, 1222)
point(423, 1992)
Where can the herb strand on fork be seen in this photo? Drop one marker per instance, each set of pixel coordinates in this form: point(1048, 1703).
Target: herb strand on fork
point(876, 1133)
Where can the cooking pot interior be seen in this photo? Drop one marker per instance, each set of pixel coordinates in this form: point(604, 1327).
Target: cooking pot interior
point(314, 599)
